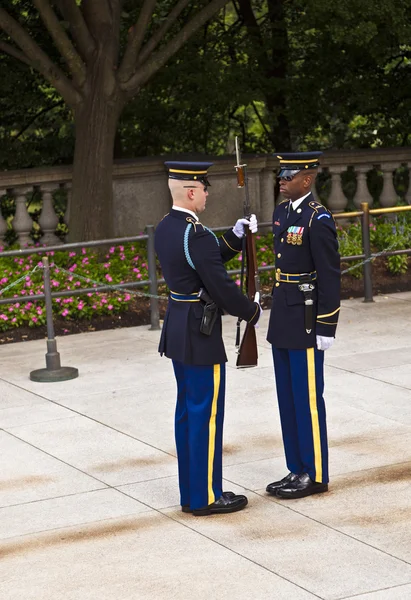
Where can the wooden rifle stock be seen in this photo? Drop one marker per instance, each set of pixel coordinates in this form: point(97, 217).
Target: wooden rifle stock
point(247, 352)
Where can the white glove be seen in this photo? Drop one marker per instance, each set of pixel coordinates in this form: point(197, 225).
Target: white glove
point(257, 299)
point(238, 228)
point(323, 343)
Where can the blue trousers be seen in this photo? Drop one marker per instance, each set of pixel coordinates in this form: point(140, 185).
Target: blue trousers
point(299, 378)
point(199, 421)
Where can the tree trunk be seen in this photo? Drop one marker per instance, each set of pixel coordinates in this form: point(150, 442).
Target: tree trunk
point(91, 209)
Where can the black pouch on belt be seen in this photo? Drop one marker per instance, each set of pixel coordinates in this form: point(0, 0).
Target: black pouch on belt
point(210, 312)
point(306, 287)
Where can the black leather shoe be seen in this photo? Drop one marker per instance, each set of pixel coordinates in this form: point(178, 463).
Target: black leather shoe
point(228, 502)
point(186, 508)
point(272, 488)
point(301, 487)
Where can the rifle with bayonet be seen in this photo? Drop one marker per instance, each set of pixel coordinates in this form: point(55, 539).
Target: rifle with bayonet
point(247, 354)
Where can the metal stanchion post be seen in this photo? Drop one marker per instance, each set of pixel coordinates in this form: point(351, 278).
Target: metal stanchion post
point(53, 371)
point(367, 267)
point(152, 273)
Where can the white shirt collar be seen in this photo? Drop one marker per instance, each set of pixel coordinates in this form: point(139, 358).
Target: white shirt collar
point(297, 203)
point(186, 210)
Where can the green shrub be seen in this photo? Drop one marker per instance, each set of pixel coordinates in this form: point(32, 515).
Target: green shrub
point(126, 263)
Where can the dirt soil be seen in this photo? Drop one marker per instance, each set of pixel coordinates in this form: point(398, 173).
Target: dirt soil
point(138, 314)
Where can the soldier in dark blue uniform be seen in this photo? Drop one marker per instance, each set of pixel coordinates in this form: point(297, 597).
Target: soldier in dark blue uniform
point(303, 321)
point(192, 259)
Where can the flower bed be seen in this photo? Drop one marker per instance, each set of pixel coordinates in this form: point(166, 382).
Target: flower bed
point(87, 268)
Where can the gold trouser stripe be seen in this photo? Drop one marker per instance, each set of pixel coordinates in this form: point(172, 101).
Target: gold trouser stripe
point(312, 393)
point(212, 432)
point(327, 322)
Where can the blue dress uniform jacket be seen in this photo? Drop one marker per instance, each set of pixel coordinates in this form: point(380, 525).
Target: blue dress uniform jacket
point(305, 242)
point(181, 339)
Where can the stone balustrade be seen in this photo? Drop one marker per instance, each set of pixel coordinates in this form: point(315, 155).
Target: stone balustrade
point(141, 194)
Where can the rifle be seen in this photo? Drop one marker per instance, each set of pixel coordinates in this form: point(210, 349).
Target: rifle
point(247, 354)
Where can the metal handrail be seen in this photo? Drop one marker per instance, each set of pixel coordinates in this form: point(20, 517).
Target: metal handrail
point(154, 281)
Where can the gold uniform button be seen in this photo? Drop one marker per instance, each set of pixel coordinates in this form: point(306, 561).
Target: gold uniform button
point(277, 284)
point(282, 239)
point(278, 255)
point(278, 270)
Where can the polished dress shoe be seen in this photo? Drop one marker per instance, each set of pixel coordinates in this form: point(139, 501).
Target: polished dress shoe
point(300, 488)
point(272, 488)
point(186, 508)
point(228, 502)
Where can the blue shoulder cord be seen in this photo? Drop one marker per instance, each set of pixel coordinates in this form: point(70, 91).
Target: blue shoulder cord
point(186, 250)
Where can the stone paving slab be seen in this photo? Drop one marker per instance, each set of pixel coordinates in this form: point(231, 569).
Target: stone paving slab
point(27, 474)
point(316, 557)
point(88, 464)
point(108, 455)
point(147, 556)
point(76, 509)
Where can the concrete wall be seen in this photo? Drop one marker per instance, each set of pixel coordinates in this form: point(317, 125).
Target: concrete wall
point(141, 194)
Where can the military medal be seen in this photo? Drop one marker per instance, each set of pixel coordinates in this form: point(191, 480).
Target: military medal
point(295, 235)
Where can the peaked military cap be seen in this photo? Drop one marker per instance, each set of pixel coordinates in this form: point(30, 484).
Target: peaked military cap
point(292, 162)
point(189, 171)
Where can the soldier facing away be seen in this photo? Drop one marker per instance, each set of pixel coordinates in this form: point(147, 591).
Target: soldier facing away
point(192, 260)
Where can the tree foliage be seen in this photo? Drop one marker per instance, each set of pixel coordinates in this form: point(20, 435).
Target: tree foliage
point(282, 73)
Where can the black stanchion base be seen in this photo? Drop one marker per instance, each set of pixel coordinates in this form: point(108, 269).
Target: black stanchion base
point(48, 375)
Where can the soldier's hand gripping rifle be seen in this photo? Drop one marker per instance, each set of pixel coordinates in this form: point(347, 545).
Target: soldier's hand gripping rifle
point(247, 355)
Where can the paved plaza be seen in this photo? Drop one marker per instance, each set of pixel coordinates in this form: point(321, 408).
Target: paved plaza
point(88, 481)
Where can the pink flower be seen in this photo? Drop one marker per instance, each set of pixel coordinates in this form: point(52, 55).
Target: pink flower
point(108, 277)
point(106, 265)
point(112, 249)
point(73, 267)
point(238, 282)
point(65, 312)
point(34, 319)
point(80, 305)
point(71, 254)
point(110, 307)
point(14, 320)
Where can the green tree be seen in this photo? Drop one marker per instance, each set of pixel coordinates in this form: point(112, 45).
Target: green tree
point(99, 71)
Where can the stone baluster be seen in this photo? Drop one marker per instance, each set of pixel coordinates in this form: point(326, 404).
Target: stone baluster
point(22, 222)
point(67, 186)
point(337, 201)
point(362, 193)
point(267, 196)
point(388, 196)
point(3, 224)
point(48, 220)
point(408, 194)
